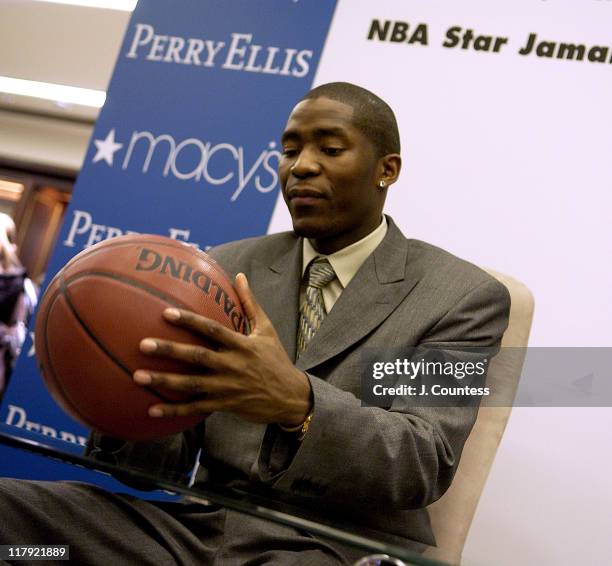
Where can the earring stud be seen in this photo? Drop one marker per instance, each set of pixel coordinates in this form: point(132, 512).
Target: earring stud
point(382, 184)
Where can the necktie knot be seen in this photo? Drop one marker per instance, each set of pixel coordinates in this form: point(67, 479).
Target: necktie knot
point(320, 273)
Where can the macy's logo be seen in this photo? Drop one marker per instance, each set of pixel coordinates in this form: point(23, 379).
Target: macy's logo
point(194, 160)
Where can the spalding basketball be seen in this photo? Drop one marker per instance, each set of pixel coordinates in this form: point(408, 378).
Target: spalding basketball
point(99, 307)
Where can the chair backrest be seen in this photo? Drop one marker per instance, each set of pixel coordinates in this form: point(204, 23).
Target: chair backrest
point(452, 514)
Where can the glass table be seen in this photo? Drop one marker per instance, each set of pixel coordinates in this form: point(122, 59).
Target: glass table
point(378, 548)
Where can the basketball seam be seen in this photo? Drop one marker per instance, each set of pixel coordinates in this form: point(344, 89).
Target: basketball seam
point(123, 279)
point(57, 382)
point(94, 338)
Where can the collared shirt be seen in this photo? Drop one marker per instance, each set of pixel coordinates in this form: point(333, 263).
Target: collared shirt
point(346, 262)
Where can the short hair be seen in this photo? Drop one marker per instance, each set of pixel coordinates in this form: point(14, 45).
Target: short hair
point(372, 115)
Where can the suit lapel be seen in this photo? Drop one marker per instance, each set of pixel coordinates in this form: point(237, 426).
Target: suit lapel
point(276, 287)
point(373, 294)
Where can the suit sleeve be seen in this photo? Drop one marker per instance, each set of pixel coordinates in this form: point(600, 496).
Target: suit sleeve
point(403, 457)
point(171, 458)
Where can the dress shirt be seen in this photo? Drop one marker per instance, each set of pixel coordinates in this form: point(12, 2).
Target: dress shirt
point(346, 263)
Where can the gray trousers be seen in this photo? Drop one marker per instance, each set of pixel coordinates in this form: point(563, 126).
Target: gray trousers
point(104, 528)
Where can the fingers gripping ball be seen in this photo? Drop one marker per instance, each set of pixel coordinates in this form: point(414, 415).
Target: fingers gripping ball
point(100, 306)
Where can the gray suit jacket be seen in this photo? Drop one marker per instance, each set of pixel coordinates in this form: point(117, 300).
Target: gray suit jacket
point(376, 468)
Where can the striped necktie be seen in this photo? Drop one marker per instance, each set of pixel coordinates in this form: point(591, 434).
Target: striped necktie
point(312, 312)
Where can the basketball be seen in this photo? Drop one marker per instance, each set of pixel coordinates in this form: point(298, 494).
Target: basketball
point(99, 307)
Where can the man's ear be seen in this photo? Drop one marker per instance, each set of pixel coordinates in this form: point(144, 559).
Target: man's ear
point(390, 166)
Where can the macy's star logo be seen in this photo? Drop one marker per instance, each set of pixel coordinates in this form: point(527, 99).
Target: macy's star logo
point(106, 148)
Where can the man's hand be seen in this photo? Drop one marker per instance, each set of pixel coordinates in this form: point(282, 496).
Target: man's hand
point(249, 376)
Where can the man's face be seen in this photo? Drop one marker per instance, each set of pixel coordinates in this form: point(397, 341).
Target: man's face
point(329, 174)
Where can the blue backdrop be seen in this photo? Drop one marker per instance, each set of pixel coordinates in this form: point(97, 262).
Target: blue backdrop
point(187, 146)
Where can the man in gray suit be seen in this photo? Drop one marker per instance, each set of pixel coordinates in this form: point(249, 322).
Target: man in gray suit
point(285, 412)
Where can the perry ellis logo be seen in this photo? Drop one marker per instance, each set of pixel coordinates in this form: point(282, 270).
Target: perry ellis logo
point(18, 417)
point(239, 52)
